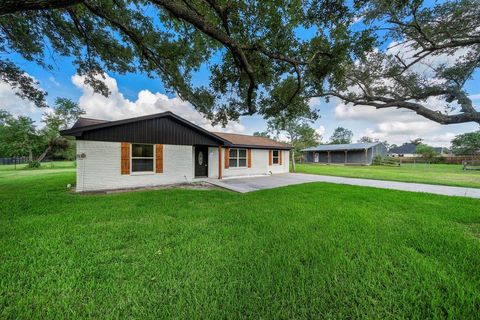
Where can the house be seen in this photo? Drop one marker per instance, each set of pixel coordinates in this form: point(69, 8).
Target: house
point(164, 149)
point(405, 150)
point(354, 153)
point(410, 150)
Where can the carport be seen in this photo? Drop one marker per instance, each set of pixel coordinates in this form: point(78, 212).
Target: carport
point(353, 153)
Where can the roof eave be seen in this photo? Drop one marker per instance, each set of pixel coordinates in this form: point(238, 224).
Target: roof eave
point(252, 146)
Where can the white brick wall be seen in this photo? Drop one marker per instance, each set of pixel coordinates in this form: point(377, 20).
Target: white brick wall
point(101, 167)
point(259, 164)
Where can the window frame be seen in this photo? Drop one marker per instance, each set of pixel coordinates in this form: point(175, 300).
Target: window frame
point(238, 158)
point(276, 157)
point(140, 158)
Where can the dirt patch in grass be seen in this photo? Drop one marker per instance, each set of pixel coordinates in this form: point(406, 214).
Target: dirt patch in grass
point(190, 186)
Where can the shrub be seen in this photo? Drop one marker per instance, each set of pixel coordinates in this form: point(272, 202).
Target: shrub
point(377, 160)
point(33, 164)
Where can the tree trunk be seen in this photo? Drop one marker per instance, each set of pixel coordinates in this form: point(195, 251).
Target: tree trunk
point(293, 161)
point(44, 154)
point(30, 155)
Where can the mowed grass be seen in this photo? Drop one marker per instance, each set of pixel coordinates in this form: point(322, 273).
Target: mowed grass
point(312, 251)
point(442, 174)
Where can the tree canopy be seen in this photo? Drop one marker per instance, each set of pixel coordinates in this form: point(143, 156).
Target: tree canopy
point(467, 143)
point(257, 59)
point(433, 52)
point(341, 136)
point(19, 136)
point(251, 48)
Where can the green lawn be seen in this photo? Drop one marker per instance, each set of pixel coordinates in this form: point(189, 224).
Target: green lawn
point(307, 251)
point(444, 174)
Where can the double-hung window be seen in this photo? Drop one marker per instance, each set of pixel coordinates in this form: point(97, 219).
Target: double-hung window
point(238, 158)
point(142, 158)
point(276, 157)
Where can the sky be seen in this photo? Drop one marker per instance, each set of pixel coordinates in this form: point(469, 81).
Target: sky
point(136, 94)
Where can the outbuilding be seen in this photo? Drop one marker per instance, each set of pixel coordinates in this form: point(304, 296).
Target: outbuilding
point(353, 153)
point(164, 149)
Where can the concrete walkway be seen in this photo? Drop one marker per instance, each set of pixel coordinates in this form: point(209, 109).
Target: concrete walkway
point(248, 184)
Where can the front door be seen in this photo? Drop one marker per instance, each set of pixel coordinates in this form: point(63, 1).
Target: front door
point(201, 162)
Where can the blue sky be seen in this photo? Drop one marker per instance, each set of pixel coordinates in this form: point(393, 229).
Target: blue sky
point(136, 94)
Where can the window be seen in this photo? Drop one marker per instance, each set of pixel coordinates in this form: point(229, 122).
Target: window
point(142, 158)
point(237, 158)
point(276, 157)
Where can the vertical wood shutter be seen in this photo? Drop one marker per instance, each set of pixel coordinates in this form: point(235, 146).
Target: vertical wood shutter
point(280, 153)
point(159, 158)
point(125, 158)
point(227, 158)
point(249, 157)
point(270, 157)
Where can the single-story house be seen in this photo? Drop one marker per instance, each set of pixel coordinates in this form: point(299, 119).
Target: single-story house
point(164, 149)
point(353, 153)
point(409, 150)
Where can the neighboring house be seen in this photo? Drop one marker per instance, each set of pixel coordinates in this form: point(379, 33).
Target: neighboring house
point(166, 149)
point(410, 150)
point(405, 150)
point(354, 153)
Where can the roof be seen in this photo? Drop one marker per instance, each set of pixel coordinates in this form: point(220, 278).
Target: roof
point(343, 147)
point(83, 122)
point(84, 125)
point(246, 140)
point(406, 148)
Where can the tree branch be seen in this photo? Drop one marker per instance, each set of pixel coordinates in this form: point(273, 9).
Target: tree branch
point(15, 6)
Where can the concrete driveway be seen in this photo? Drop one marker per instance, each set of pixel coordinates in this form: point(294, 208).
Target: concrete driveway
point(248, 184)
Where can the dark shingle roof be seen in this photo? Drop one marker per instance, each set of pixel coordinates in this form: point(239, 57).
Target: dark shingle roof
point(341, 147)
point(83, 122)
point(406, 148)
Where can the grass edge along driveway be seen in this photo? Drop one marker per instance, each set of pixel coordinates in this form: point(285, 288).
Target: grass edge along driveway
point(439, 174)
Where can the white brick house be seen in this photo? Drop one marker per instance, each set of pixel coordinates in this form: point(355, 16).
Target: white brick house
point(166, 149)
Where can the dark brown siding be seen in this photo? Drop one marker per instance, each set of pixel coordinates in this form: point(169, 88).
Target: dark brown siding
point(156, 131)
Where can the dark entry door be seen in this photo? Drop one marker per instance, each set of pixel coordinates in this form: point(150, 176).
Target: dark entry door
point(201, 162)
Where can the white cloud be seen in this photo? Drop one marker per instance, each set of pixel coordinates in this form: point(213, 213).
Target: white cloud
point(397, 125)
point(321, 131)
point(475, 96)
point(14, 104)
point(116, 106)
point(54, 81)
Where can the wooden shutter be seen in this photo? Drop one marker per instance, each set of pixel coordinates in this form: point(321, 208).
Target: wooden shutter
point(249, 157)
point(280, 153)
point(159, 158)
point(125, 158)
point(270, 157)
point(227, 158)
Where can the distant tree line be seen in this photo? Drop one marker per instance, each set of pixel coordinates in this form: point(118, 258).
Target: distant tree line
point(19, 136)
